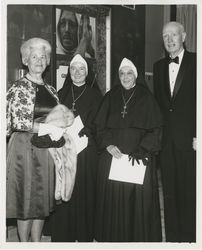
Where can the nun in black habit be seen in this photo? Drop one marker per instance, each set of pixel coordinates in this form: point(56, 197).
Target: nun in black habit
point(74, 220)
point(128, 122)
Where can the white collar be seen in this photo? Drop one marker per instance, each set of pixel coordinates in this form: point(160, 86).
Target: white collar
point(78, 85)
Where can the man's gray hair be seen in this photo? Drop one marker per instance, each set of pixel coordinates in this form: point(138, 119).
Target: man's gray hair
point(181, 27)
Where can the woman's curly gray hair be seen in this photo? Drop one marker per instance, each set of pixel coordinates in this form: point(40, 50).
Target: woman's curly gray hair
point(34, 43)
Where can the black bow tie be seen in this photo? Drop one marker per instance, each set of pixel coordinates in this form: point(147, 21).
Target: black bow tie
point(175, 60)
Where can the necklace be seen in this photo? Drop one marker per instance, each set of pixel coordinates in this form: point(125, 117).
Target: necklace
point(74, 100)
point(124, 112)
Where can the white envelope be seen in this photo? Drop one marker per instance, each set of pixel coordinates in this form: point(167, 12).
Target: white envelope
point(122, 170)
point(73, 130)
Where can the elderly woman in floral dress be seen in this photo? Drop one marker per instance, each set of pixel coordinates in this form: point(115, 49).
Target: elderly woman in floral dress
point(30, 167)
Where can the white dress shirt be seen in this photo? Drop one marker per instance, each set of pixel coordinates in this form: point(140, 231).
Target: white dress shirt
point(173, 71)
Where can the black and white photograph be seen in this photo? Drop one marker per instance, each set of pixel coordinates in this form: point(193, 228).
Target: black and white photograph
point(100, 128)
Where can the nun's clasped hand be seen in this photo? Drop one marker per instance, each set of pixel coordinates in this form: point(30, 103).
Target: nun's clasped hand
point(114, 151)
point(145, 160)
point(139, 155)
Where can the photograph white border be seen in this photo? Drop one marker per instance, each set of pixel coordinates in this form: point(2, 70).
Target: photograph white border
point(3, 39)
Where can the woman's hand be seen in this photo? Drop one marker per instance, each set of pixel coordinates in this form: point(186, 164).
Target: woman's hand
point(114, 151)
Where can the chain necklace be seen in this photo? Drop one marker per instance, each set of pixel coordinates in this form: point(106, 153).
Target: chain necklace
point(74, 100)
point(124, 112)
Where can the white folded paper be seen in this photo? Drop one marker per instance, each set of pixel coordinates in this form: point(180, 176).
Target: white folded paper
point(122, 170)
point(73, 130)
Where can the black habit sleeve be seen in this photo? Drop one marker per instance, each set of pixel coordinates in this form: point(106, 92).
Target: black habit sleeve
point(103, 135)
point(151, 141)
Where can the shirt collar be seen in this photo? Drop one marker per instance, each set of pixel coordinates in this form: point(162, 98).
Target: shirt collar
point(181, 56)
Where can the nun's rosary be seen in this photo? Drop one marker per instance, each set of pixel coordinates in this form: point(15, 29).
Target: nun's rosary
point(124, 112)
point(74, 100)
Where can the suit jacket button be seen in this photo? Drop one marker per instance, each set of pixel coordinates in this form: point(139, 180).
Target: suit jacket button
point(171, 110)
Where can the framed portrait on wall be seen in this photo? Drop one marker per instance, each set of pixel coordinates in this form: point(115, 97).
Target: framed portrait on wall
point(74, 30)
point(81, 29)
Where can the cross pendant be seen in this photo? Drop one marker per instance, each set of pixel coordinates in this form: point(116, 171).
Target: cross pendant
point(73, 107)
point(124, 112)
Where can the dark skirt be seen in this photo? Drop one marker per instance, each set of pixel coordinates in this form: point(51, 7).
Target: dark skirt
point(126, 212)
point(30, 179)
point(74, 220)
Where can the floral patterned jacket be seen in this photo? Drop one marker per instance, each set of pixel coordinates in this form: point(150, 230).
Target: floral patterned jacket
point(20, 105)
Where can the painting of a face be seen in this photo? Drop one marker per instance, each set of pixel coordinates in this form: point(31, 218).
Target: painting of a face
point(68, 30)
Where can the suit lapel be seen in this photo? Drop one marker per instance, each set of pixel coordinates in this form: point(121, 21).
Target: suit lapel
point(180, 74)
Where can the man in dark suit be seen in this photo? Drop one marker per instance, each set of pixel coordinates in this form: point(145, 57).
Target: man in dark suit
point(175, 91)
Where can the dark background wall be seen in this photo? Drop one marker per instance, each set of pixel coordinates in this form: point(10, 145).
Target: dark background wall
point(127, 37)
point(153, 39)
